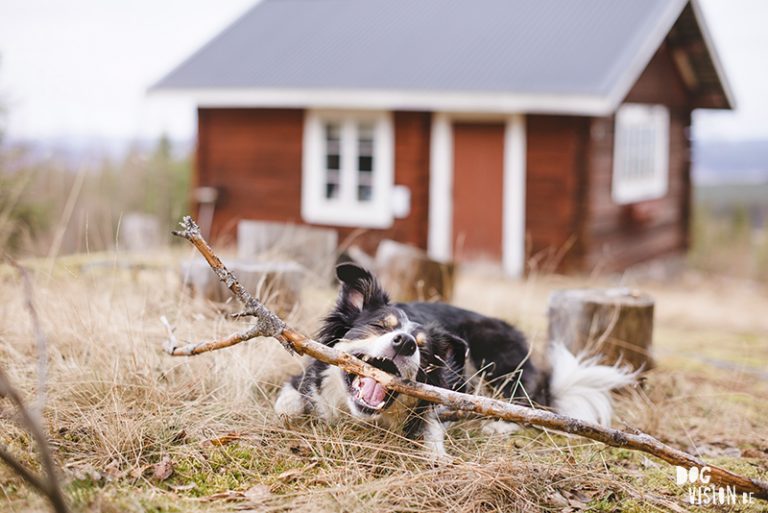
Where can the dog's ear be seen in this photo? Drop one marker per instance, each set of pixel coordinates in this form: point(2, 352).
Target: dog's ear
point(444, 357)
point(359, 288)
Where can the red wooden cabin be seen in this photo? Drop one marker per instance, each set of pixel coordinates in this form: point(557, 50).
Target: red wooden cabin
point(493, 130)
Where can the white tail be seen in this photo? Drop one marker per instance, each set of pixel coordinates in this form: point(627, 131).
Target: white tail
point(581, 388)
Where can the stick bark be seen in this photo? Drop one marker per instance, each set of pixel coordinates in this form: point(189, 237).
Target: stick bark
point(267, 324)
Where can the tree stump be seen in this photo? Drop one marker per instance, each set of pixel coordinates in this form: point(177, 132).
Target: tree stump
point(276, 284)
point(616, 324)
point(408, 274)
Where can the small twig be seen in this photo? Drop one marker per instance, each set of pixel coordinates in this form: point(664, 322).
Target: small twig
point(271, 326)
point(173, 348)
point(172, 342)
point(42, 341)
point(50, 485)
point(26, 474)
point(31, 420)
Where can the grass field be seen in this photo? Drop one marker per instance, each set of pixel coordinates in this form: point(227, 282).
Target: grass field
point(121, 414)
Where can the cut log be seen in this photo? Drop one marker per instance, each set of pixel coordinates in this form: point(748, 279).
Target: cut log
point(279, 282)
point(616, 324)
point(408, 274)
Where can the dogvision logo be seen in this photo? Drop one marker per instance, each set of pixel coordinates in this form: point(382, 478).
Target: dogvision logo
point(701, 492)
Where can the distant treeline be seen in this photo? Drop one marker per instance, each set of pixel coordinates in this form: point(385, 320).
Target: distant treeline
point(49, 202)
point(730, 230)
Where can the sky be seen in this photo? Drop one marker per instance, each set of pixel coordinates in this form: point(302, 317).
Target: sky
point(80, 69)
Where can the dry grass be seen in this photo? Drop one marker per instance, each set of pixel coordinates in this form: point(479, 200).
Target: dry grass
point(116, 406)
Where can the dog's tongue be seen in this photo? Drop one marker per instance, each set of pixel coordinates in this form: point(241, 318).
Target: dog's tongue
point(371, 392)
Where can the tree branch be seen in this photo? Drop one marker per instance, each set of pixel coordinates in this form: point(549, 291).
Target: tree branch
point(267, 324)
point(32, 420)
point(26, 474)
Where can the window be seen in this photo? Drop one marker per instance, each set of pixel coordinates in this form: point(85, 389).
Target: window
point(640, 153)
point(348, 176)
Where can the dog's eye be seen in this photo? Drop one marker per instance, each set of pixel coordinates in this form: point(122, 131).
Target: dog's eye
point(390, 321)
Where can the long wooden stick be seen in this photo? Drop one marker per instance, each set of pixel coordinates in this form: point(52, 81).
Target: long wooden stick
point(267, 324)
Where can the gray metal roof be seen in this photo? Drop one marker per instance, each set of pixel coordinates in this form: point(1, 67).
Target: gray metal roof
point(574, 47)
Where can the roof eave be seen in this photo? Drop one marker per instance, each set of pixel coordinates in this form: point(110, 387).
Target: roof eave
point(649, 47)
point(730, 98)
point(654, 41)
point(370, 99)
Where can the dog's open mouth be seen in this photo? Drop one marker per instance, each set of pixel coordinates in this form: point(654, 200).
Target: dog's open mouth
point(369, 395)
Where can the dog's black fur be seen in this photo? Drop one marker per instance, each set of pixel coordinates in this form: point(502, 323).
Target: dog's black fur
point(448, 336)
point(444, 346)
point(498, 351)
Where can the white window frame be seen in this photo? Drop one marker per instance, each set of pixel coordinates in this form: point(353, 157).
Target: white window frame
point(647, 184)
point(347, 210)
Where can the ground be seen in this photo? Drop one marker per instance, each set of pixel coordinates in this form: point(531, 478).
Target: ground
point(136, 430)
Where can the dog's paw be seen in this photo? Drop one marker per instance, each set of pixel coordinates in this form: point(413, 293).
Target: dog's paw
point(442, 460)
point(290, 402)
point(500, 427)
point(438, 457)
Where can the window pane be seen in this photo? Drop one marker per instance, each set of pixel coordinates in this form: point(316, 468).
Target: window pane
point(365, 140)
point(365, 151)
point(364, 193)
point(332, 160)
point(364, 163)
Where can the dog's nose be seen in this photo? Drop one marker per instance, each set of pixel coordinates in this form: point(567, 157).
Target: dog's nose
point(404, 344)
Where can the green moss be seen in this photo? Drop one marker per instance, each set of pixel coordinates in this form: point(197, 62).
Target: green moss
point(605, 505)
point(232, 467)
point(160, 505)
point(82, 492)
point(636, 506)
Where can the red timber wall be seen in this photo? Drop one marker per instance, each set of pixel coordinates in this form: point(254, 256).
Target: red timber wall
point(618, 236)
point(254, 158)
point(555, 171)
point(572, 222)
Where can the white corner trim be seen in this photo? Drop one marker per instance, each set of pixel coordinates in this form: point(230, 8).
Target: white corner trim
point(439, 237)
point(712, 49)
point(513, 222)
point(346, 210)
point(385, 99)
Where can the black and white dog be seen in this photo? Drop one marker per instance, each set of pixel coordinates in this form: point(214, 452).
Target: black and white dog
point(444, 346)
